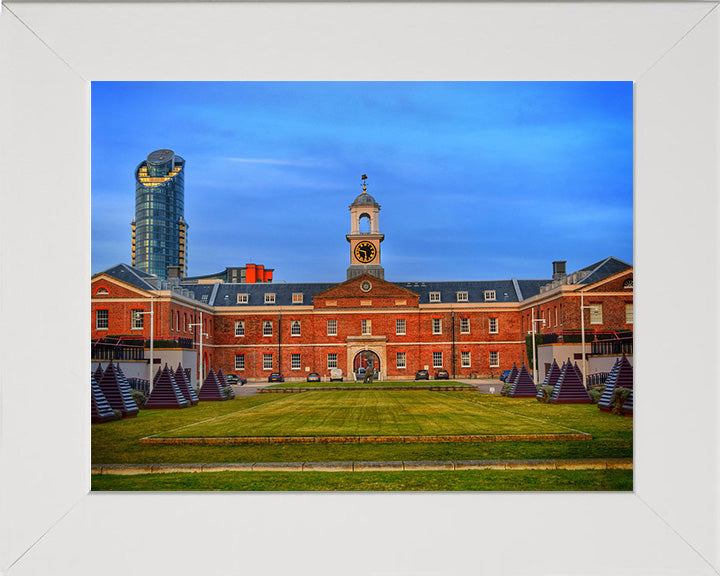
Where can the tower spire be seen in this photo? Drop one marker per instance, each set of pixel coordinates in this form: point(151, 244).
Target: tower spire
point(363, 178)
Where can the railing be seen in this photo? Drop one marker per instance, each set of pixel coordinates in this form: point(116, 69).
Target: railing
point(597, 379)
point(107, 349)
point(612, 347)
point(139, 384)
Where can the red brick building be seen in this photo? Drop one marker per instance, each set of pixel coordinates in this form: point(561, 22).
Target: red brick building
point(468, 328)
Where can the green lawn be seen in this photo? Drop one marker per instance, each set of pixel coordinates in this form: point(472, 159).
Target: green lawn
point(537, 480)
point(383, 384)
point(118, 442)
point(368, 413)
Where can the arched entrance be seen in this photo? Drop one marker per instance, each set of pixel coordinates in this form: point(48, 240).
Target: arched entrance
point(364, 358)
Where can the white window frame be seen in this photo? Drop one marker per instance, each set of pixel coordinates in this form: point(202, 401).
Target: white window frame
point(137, 320)
point(465, 359)
point(437, 325)
point(332, 327)
point(434, 296)
point(297, 298)
point(239, 361)
point(366, 327)
point(400, 360)
point(494, 359)
point(332, 360)
point(106, 319)
point(437, 359)
point(490, 296)
point(267, 362)
point(267, 328)
point(462, 296)
point(243, 298)
point(295, 361)
point(400, 326)
point(464, 325)
point(239, 328)
point(596, 314)
point(293, 325)
point(629, 317)
point(269, 298)
point(493, 325)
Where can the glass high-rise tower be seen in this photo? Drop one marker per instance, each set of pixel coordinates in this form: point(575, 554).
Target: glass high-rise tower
point(159, 230)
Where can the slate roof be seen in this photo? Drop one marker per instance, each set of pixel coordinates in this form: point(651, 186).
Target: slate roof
point(603, 269)
point(131, 275)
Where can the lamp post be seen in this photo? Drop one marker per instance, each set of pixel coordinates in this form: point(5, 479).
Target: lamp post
point(152, 338)
point(535, 369)
point(200, 372)
point(582, 337)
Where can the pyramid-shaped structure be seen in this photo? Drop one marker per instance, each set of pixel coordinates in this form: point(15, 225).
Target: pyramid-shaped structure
point(513, 374)
point(157, 374)
point(569, 388)
point(621, 375)
point(551, 379)
point(523, 387)
point(627, 407)
point(578, 371)
point(223, 382)
point(117, 392)
point(100, 409)
point(98, 373)
point(166, 393)
point(183, 383)
point(211, 390)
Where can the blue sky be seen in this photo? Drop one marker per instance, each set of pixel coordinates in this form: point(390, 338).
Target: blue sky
point(477, 180)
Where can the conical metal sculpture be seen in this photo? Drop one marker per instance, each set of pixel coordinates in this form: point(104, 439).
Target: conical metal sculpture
point(166, 393)
point(551, 379)
point(223, 382)
point(117, 392)
point(569, 388)
point(523, 386)
point(621, 375)
point(100, 409)
point(211, 390)
point(181, 379)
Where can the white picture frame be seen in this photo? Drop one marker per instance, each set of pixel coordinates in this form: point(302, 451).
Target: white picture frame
point(50, 523)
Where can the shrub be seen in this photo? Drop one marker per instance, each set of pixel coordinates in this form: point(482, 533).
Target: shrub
point(546, 393)
point(619, 396)
point(117, 415)
point(139, 397)
point(595, 393)
point(228, 392)
point(506, 388)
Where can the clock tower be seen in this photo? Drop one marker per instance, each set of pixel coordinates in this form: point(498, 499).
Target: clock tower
point(365, 236)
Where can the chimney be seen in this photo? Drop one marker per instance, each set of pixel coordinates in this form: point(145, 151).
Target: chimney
point(173, 274)
point(559, 269)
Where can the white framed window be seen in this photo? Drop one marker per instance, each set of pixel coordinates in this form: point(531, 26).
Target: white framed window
point(267, 328)
point(437, 360)
point(400, 326)
point(596, 314)
point(101, 319)
point(239, 328)
point(295, 362)
point(267, 361)
point(462, 296)
point(239, 361)
point(464, 325)
point(269, 298)
point(434, 296)
point(332, 360)
point(493, 325)
point(494, 359)
point(297, 298)
point(465, 359)
point(136, 318)
point(366, 327)
point(242, 298)
point(295, 328)
point(332, 327)
point(437, 325)
point(400, 360)
point(629, 313)
point(489, 295)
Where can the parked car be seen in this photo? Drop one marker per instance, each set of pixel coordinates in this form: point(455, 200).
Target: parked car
point(504, 375)
point(236, 380)
point(336, 375)
point(313, 377)
point(442, 375)
point(276, 377)
point(422, 375)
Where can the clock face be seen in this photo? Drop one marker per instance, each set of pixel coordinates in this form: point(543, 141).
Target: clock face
point(365, 252)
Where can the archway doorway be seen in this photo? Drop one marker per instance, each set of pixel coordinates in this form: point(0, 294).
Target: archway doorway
point(363, 360)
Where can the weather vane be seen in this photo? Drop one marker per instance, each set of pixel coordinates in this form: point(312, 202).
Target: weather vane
point(363, 178)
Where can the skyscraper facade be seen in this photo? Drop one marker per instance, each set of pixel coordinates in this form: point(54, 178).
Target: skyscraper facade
point(159, 230)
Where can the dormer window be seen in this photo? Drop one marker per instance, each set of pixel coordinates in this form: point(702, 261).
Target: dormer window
point(297, 298)
point(462, 296)
point(434, 296)
point(269, 298)
point(489, 295)
point(242, 298)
